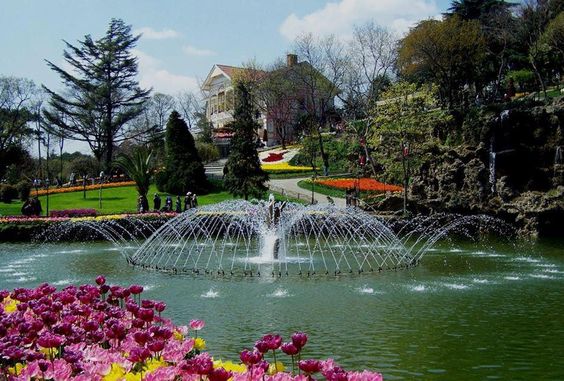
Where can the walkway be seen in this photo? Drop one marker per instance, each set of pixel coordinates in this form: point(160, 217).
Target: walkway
point(287, 187)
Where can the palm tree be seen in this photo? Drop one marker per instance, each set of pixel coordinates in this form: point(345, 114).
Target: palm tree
point(138, 167)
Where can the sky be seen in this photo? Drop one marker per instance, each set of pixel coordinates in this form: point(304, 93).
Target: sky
point(182, 39)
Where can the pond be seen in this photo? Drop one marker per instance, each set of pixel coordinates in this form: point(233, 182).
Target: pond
point(466, 312)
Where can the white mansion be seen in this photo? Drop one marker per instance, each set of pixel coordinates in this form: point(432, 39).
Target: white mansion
point(219, 96)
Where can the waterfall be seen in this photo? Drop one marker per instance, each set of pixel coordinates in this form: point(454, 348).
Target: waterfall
point(492, 168)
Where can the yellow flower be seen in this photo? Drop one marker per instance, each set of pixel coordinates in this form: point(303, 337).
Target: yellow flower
point(133, 376)
point(230, 366)
point(273, 370)
point(17, 369)
point(285, 167)
point(199, 343)
point(178, 336)
point(117, 372)
point(50, 353)
point(10, 305)
point(154, 364)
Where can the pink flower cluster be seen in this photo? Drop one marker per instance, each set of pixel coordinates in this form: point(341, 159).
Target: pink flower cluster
point(73, 213)
point(96, 332)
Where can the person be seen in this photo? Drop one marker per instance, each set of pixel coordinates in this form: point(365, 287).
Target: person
point(178, 205)
point(157, 202)
point(36, 206)
point(168, 204)
point(188, 201)
point(27, 208)
point(144, 204)
point(194, 201)
point(225, 170)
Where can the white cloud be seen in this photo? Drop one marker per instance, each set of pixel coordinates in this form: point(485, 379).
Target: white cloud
point(152, 74)
point(339, 17)
point(193, 51)
point(151, 34)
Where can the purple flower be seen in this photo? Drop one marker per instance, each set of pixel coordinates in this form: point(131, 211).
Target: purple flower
point(299, 339)
point(136, 289)
point(272, 341)
point(310, 366)
point(290, 349)
point(100, 280)
point(262, 346)
point(250, 357)
point(160, 306)
point(49, 340)
point(219, 374)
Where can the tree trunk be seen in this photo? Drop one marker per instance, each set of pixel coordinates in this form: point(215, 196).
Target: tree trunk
point(323, 155)
point(539, 78)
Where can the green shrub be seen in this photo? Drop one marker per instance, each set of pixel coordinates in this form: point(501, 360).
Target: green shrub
point(8, 193)
point(24, 188)
point(207, 151)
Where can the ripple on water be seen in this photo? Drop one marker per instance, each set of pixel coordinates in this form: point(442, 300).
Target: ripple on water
point(512, 277)
point(526, 259)
point(456, 286)
point(210, 294)
point(367, 290)
point(480, 281)
point(63, 282)
point(279, 293)
point(418, 288)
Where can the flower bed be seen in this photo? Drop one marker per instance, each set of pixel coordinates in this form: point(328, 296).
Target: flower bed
point(274, 156)
point(42, 192)
point(106, 217)
point(284, 167)
point(102, 332)
point(365, 184)
point(73, 213)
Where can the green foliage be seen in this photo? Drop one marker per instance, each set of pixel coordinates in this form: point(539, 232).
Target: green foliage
point(524, 78)
point(83, 165)
point(138, 167)
point(207, 151)
point(338, 150)
point(8, 193)
point(447, 52)
point(24, 189)
point(245, 176)
point(183, 170)
point(405, 119)
point(103, 92)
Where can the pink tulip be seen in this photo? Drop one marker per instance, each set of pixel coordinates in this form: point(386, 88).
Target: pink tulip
point(197, 325)
point(136, 289)
point(100, 280)
point(310, 366)
point(250, 357)
point(299, 339)
point(290, 349)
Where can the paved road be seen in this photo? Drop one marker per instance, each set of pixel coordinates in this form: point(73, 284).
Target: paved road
point(287, 186)
point(290, 187)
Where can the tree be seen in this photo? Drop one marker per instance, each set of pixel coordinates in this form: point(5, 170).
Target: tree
point(102, 94)
point(183, 170)
point(244, 177)
point(447, 52)
point(138, 167)
point(317, 79)
point(16, 110)
point(190, 106)
point(402, 122)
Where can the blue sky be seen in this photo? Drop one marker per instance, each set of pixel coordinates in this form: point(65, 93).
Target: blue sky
point(183, 39)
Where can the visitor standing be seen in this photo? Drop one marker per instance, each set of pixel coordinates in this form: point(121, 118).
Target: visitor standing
point(194, 201)
point(157, 202)
point(188, 201)
point(178, 205)
point(168, 204)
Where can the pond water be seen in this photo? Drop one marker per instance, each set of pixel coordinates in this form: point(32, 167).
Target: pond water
point(466, 312)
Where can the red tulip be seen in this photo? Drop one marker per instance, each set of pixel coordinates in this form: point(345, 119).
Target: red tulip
point(100, 280)
point(299, 339)
point(310, 366)
point(290, 349)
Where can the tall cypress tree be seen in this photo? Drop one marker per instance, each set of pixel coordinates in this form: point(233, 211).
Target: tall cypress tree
point(184, 170)
point(103, 92)
point(244, 176)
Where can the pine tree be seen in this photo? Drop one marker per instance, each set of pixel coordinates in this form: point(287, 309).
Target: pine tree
point(102, 95)
point(184, 171)
point(244, 176)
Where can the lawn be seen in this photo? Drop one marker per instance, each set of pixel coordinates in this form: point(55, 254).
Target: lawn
point(114, 200)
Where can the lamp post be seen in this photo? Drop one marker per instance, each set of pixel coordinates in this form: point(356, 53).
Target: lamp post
point(36, 186)
point(84, 187)
point(47, 203)
point(313, 189)
point(100, 194)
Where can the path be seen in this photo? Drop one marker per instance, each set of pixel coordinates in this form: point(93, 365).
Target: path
point(288, 187)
